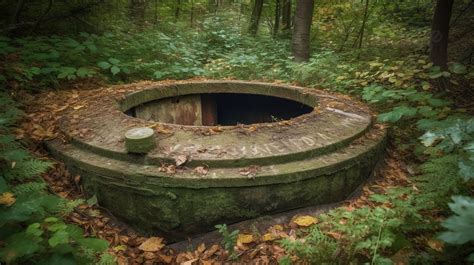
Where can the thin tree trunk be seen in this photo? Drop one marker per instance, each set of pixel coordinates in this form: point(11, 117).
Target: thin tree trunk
point(137, 11)
point(440, 33)
point(156, 11)
point(16, 16)
point(177, 10)
point(276, 25)
point(192, 13)
point(255, 18)
point(364, 22)
point(301, 33)
point(286, 15)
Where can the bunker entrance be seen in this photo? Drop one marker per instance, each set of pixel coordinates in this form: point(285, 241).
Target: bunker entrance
point(219, 109)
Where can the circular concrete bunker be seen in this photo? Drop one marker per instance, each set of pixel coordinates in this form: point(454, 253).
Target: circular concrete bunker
point(225, 151)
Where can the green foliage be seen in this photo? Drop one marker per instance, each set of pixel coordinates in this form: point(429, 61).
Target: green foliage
point(363, 233)
point(28, 227)
point(229, 239)
point(460, 226)
point(422, 104)
point(55, 240)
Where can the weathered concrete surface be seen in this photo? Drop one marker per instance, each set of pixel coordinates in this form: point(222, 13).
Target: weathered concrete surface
point(317, 158)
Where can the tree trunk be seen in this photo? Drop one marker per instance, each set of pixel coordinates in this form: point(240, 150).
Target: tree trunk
point(301, 33)
point(276, 25)
point(156, 12)
point(440, 33)
point(177, 10)
point(286, 15)
point(255, 18)
point(364, 22)
point(137, 11)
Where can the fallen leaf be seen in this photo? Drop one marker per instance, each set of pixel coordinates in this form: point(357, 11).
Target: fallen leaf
point(268, 237)
point(211, 251)
point(305, 221)
point(201, 170)
point(120, 248)
point(244, 239)
point(78, 107)
point(201, 248)
point(334, 235)
point(180, 160)
point(165, 258)
point(278, 227)
point(152, 244)
point(435, 244)
point(7, 198)
point(250, 171)
point(189, 262)
point(206, 262)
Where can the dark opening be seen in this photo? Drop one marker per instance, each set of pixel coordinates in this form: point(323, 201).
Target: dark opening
point(219, 109)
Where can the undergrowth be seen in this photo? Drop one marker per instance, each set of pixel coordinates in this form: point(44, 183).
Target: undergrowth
point(31, 228)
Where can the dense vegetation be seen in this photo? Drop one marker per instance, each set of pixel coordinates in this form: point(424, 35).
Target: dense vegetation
point(378, 51)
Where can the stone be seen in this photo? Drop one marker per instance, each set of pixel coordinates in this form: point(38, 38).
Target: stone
point(140, 140)
point(318, 156)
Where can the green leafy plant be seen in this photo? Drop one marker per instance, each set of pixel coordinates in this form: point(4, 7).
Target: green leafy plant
point(30, 224)
point(460, 226)
point(229, 239)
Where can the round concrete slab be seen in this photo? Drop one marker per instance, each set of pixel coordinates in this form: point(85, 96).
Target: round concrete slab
point(199, 176)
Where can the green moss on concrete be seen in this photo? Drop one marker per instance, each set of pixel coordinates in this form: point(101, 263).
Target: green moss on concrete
point(134, 189)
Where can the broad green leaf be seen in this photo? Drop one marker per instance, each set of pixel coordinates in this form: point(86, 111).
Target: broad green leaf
point(114, 61)
point(397, 113)
point(458, 68)
point(460, 226)
point(85, 72)
point(59, 237)
point(104, 65)
point(115, 70)
point(96, 244)
point(34, 229)
point(466, 169)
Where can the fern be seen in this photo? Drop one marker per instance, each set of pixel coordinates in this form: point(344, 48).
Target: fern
point(66, 206)
point(29, 187)
point(27, 169)
point(438, 181)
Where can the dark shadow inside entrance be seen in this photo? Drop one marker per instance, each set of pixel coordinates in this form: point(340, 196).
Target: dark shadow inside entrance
point(219, 109)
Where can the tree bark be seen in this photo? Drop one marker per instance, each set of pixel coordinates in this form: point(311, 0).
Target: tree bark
point(301, 33)
point(137, 11)
point(286, 15)
point(440, 33)
point(177, 10)
point(255, 18)
point(364, 22)
point(276, 24)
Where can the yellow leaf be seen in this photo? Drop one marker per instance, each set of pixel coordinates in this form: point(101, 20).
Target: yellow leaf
point(305, 220)
point(435, 244)
point(278, 227)
point(152, 244)
point(268, 237)
point(7, 199)
point(244, 239)
point(120, 248)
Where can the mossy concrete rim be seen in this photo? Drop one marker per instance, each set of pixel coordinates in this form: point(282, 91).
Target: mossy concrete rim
point(327, 128)
point(122, 173)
